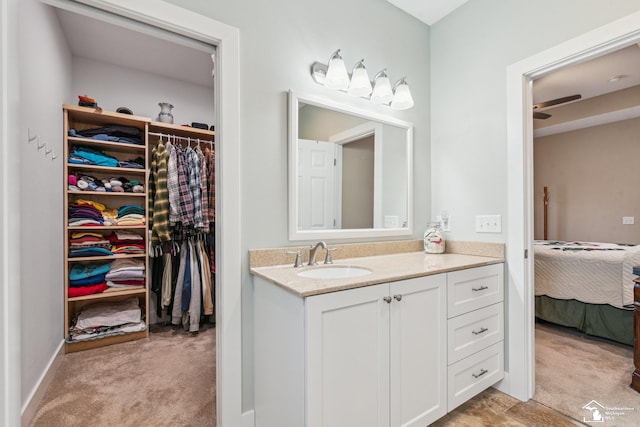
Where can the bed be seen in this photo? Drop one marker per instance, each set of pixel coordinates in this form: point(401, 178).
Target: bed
point(588, 286)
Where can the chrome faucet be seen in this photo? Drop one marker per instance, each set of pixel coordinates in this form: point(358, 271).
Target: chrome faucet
point(313, 250)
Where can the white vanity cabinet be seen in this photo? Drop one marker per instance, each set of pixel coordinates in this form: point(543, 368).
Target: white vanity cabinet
point(374, 356)
point(475, 331)
point(371, 356)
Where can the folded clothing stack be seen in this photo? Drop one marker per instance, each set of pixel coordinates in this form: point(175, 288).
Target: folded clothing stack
point(87, 279)
point(106, 318)
point(86, 212)
point(87, 244)
point(88, 156)
point(112, 133)
point(130, 215)
point(78, 182)
point(126, 272)
point(125, 242)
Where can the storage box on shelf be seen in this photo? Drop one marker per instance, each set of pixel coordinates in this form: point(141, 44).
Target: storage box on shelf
point(81, 119)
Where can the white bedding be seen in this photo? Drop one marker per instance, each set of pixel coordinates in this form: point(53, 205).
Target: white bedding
point(595, 273)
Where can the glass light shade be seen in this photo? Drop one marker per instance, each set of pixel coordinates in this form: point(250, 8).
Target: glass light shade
point(382, 92)
point(337, 76)
point(402, 98)
point(360, 84)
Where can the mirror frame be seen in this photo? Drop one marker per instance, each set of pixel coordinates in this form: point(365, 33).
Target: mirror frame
point(295, 234)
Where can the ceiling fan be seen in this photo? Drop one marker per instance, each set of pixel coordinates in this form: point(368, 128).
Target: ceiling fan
point(557, 101)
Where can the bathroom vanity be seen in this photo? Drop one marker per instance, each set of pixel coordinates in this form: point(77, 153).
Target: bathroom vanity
point(401, 345)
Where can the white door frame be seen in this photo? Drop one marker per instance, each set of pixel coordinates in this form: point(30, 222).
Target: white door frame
point(520, 378)
point(228, 314)
point(353, 134)
point(10, 377)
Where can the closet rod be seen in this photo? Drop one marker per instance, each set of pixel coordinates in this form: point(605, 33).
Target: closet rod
point(184, 138)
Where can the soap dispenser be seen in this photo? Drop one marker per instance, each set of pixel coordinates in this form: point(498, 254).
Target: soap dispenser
point(434, 239)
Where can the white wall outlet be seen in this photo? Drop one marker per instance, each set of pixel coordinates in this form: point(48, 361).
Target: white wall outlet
point(445, 223)
point(391, 221)
point(488, 223)
point(628, 220)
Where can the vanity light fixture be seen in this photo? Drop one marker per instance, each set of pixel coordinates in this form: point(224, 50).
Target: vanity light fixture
point(335, 76)
point(402, 99)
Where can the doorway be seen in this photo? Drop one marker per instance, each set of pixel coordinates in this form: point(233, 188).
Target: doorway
point(520, 338)
point(203, 29)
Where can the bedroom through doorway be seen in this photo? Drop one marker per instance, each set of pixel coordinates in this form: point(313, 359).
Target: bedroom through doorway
point(585, 240)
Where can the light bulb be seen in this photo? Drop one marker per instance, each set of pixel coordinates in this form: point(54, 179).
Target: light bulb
point(337, 76)
point(360, 84)
point(402, 99)
point(382, 93)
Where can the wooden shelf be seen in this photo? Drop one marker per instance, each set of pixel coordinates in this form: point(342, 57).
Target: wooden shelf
point(96, 143)
point(71, 347)
point(183, 131)
point(101, 117)
point(81, 118)
point(115, 170)
point(105, 257)
point(106, 193)
point(109, 294)
point(106, 227)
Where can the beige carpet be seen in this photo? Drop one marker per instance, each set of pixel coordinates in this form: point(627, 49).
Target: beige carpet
point(167, 380)
point(573, 369)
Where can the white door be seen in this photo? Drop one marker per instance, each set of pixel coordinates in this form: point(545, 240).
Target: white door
point(316, 185)
point(418, 351)
point(348, 358)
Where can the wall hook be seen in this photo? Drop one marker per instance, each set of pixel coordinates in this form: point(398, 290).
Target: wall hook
point(46, 152)
point(31, 138)
point(40, 146)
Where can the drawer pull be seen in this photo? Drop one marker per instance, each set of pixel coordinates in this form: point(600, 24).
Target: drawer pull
point(387, 300)
point(482, 330)
point(481, 288)
point(482, 372)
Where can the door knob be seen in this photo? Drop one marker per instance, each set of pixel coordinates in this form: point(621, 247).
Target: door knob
point(387, 300)
point(398, 297)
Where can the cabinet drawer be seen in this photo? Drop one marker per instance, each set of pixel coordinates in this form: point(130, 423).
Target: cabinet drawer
point(471, 332)
point(472, 375)
point(468, 290)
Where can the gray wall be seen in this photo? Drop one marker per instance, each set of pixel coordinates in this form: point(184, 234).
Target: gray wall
point(279, 40)
point(592, 180)
point(470, 51)
point(45, 82)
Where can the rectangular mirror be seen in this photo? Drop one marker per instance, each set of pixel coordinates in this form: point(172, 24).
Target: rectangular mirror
point(350, 171)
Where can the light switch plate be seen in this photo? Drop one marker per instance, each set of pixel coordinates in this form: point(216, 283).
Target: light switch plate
point(628, 220)
point(488, 223)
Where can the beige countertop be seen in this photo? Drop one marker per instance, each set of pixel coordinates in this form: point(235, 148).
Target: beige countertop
point(384, 268)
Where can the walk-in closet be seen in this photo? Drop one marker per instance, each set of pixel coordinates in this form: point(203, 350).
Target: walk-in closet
point(128, 246)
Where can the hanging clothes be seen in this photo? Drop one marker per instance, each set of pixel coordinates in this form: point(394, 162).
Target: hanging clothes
point(182, 207)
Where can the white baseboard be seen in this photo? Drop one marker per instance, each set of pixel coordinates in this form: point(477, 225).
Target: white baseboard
point(30, 406)
point(248, 418)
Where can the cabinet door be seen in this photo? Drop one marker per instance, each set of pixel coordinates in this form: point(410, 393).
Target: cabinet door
point(348, 358)
point(418, 351)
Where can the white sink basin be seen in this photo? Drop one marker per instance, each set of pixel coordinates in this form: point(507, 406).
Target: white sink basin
point(334, 272)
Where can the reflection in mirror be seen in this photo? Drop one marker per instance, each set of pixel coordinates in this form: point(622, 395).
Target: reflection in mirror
point(349, 172)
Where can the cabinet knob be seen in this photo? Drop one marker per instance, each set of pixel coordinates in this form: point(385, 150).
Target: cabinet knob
point(387, 300)
point(398, 297)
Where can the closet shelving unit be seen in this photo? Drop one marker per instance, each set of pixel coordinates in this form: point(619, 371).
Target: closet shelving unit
point(81, 118)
